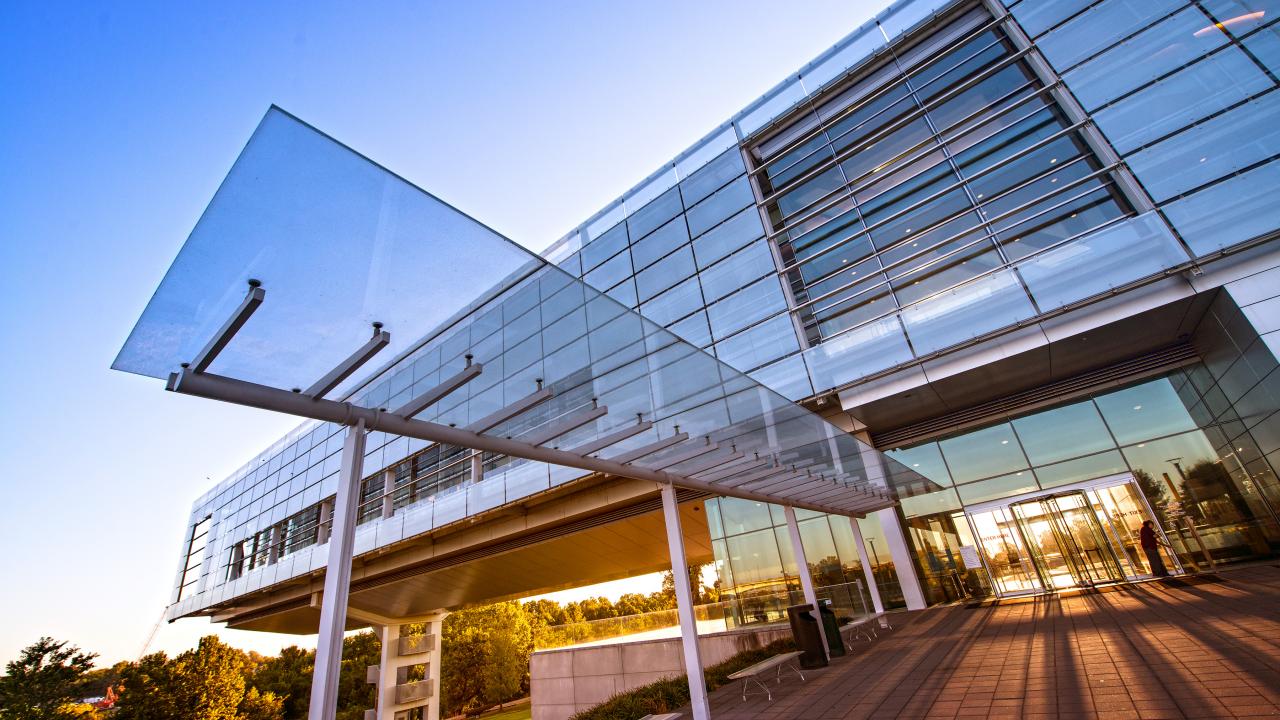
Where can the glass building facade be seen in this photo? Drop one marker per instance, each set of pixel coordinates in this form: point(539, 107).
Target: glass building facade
point(948, 175)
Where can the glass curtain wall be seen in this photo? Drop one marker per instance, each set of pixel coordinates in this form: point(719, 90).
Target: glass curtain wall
point(756, 566)
point(1207, 482)
point(948, 162)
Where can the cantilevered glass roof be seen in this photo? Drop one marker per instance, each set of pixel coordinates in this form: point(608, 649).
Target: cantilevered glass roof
point(525, 351)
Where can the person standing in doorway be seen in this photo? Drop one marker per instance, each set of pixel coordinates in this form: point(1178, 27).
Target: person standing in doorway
point(1151, 546)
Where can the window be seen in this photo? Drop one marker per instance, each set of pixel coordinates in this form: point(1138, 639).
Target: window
point(196, 544)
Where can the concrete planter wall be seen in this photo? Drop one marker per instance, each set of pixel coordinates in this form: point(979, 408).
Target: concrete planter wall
point(569, 680)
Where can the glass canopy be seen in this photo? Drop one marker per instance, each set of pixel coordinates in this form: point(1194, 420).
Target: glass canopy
point(339, 243)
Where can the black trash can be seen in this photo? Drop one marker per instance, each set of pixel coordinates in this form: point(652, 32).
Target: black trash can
point(804, 628)
point(835, 644)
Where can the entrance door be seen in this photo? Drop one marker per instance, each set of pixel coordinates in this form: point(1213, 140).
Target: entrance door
point(1000, 541)
point(1067, 541)
point(1078, 536)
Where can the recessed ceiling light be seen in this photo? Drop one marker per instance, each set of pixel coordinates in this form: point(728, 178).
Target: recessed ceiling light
point(1137, 407)
point(1004, 442)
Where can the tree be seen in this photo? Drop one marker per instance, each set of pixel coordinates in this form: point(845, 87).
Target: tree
point(47, 676)
point(260, 706)
point(288, 677)
point(485, 657)
point(207, 683)
point(355, 694)
point(147, 690)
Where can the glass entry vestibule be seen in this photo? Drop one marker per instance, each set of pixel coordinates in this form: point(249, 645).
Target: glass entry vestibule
point(1079, 535)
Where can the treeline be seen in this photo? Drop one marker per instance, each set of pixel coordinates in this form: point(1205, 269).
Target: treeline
point(485, 661)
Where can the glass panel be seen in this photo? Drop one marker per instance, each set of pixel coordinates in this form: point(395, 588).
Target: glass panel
point(666, 272)
point(646, 219)
point(759, 345)
point(1217, 147)
point(1155, 51)
point(694, 329)
point(780, 101)
point(1036, 16)
point(736, 271)
point(1265, 46)
point(787, 377)
point(1230, 212)
point(983, 453)
point(857, 353)
point(740, 516)
point(857, 47)
point(1100, 26)
point(1186, 96)
point(727, 166)
point(674, 304)
point(1081, 469)
point(705, 152)
point(735, 233)
point(1065, 432)
point(966, 312)
point(755, 560)
point(337, 243)
point(1239, 17)
point(710, 212)
point(610, 272)
point(604, 247)
point(646, 251)
point(925, 459)
point(751, 304)
point(1119, 253)
point(997, 487)
point(1144, 411)
point(929, 503)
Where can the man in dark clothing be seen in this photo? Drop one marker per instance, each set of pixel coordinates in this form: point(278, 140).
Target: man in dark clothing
point(1151, 546)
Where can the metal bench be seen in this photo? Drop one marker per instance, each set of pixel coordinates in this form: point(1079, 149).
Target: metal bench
point(866, 627)
point(751, 674)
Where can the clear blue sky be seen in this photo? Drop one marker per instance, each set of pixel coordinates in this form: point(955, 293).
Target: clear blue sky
point(118, 121)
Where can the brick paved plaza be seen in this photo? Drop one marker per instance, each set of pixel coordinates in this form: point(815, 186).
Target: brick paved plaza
point(1151, 650)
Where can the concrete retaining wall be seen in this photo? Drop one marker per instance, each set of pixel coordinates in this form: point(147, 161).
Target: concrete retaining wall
point(570, 680)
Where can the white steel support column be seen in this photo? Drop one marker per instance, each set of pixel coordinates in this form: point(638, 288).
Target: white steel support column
point(867, 570)
point(902, 561)
point(806, 578)
point(337, 578)
point(684, 606)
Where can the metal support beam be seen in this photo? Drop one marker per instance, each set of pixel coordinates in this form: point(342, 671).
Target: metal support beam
point(611, 439)
point(673, 460)
point(337, 576)
point(439, 392)
point(250, 394)
point(684, 606)
point(351, 364)
point(806, 578)
point(501, 415)
point(712, 463)
point(563, 425)
point(229, 329)
point(651, 448)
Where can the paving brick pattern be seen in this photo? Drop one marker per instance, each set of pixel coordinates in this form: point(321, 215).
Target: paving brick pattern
point(1149, 650)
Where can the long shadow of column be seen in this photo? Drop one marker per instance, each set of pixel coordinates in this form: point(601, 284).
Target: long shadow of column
point(1266, 676)
point(1198, 703)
